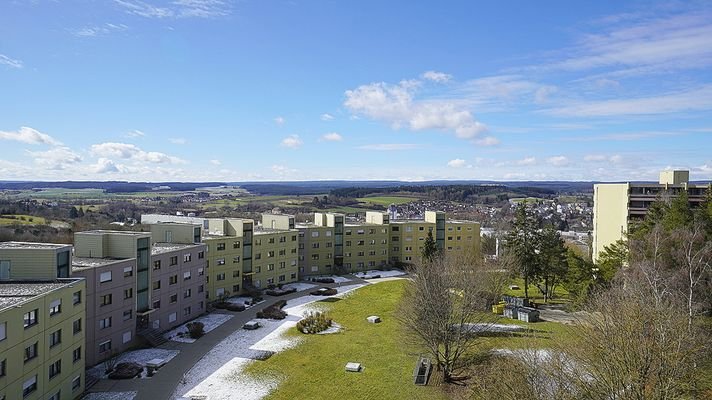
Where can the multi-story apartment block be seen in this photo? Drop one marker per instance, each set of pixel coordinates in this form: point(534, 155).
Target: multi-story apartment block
point(616, 205)
point(41, 333)
point(274, 252)
point(229, 256)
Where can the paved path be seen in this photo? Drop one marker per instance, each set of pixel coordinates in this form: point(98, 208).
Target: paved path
point(164, 382)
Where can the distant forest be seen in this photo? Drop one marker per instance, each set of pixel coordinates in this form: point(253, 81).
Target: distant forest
point(449, 192)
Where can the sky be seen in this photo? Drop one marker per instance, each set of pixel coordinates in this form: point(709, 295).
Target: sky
point(248, 90)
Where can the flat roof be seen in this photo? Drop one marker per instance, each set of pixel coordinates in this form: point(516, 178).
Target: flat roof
point(33, 245)
point(263, 231)
point(15, 292)
point(107, 231)
point(79, 263)
point(160, 248)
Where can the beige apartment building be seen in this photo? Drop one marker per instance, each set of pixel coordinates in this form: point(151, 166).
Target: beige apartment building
point(42, 339)
point(616, 205)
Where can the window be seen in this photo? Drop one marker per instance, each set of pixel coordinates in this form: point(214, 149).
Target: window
point(270, 267)
point(29, 386)
point(3, 367)
point(201, 289)
point(236, 259)
point(173, 279)
point(156, 304)
point(236, 245)
point(30, 352)
point(128, 271)
point(270, 253)
point(126, 337)
point(187, 257)
point(105, 323)
point(315, 234)
point(105, 277)
point(220, 261)
point(157, 265)
point(77, 326)
point(348, 243)
point(186, 275)
point(31, 318)
point(395, 229)
point(258, 269)
point(128, 293)
point(201, 271)
point(186, 311)
point(3, 331)
point(282, 278)
point(328, 233)
point(221, 276)
point(128, 314)
point(409, 229)
point(103, 347)
point(235, 274)
point(258, 256)
point(77, 382)
point(220, 292)
point(282, 264)
point(174, 298)
point(77, 297)
point(55, 369)
point(421, 228)
point(315, 256)
point(201, 255)
point(271, 240)
point(220, 246)
point(56, 396)
point(55, 307)
point(315, 245)
point(359, 243)
point(359, 232)
point(186, 293)
point(77, 354)
point(105, 300)
point(293, 275)
point(235, 288)
point(156, 285)
point(270, 281)
point(172, 317)
point(315, 268)
point(173, 261)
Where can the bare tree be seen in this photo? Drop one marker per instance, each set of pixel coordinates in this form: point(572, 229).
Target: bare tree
point(443, 310)
point(693, 256)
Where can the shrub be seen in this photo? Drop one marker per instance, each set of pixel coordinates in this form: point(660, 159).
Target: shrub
point(314, 322)
point(195, 329)
point(274, 311)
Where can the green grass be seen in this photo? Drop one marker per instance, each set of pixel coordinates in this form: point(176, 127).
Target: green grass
point(560, 294)
point(21, 219)
point(386, 200)
point(315, 369)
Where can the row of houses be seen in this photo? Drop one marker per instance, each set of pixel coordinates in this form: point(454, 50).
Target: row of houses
point(64, 307)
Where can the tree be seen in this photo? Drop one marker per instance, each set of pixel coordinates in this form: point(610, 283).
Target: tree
point(611, 260)
point(443, 311)
point(73, 213)
point(552, 262)
point(430, 248)
point(581, 278)
point(523, 241)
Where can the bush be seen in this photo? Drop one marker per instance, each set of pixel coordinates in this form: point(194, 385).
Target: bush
point(195, 329)
point(235, 307)
point(314, 322)
point(324, 292)
point(274, 311)
point(126, 371)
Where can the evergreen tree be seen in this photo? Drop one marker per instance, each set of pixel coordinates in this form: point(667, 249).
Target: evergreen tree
point(678, 213)
point(73, 213)
point(551, 260)
point(523, 241)
point(430, 248)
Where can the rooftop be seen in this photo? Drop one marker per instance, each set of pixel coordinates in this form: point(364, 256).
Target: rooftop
point(16, 292)
point(32, 245)
point(262, 230)
point(106, 231)
point(79, 263)
point(160, 248)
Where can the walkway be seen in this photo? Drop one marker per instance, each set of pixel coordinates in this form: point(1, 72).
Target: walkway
point(162, 385)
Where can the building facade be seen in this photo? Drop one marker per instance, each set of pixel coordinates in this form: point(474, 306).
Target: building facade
point(617, 205)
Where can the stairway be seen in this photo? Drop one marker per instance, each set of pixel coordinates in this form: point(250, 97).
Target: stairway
point(153, 336)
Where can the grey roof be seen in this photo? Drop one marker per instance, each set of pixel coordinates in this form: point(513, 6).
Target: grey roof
point(79, 263)
point(32, 245)
point(16, 292)
point(160, 248)
point(106, 231)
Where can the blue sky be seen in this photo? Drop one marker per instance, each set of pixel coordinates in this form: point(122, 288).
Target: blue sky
point(224, 90)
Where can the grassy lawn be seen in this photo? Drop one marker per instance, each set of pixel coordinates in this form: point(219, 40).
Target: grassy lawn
point(315, 369)
point(560, 294)
point(386, 200)
point(21, 219)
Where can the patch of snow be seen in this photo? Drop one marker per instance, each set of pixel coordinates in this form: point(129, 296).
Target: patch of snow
point(383, 274)
point(110, 396)
point(496, 328)
point(140, 357)
point(210, 322)
point(336, 278)
point(230, 383)
point(300, 286)
point(276, 340)
point(334, 328)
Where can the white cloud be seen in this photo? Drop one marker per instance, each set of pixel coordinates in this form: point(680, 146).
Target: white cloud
point(292, 141)
point(178, 140)
point(215, 162)
point(603, 158)
point(558, 161)
point(135, 134)
point(696, 99)
point(99, 30)
point(434, 76)
point(104, 166)
point(496, 93)
point(456, 163)
point(332, 137)
point(56, 158)
point(487, 141)
point(326, 117)
point(527, 161)
point(177, 8)
point(10, 62)
point(131, 151)
point(389, 146)
point(282, 170)
point(30, 136)
point(397, 105)
point(279, 121)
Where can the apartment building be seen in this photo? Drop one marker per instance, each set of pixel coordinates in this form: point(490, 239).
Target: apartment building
point(229, 256)
point(616, 205)
point(274, 252)
point(41, 335)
